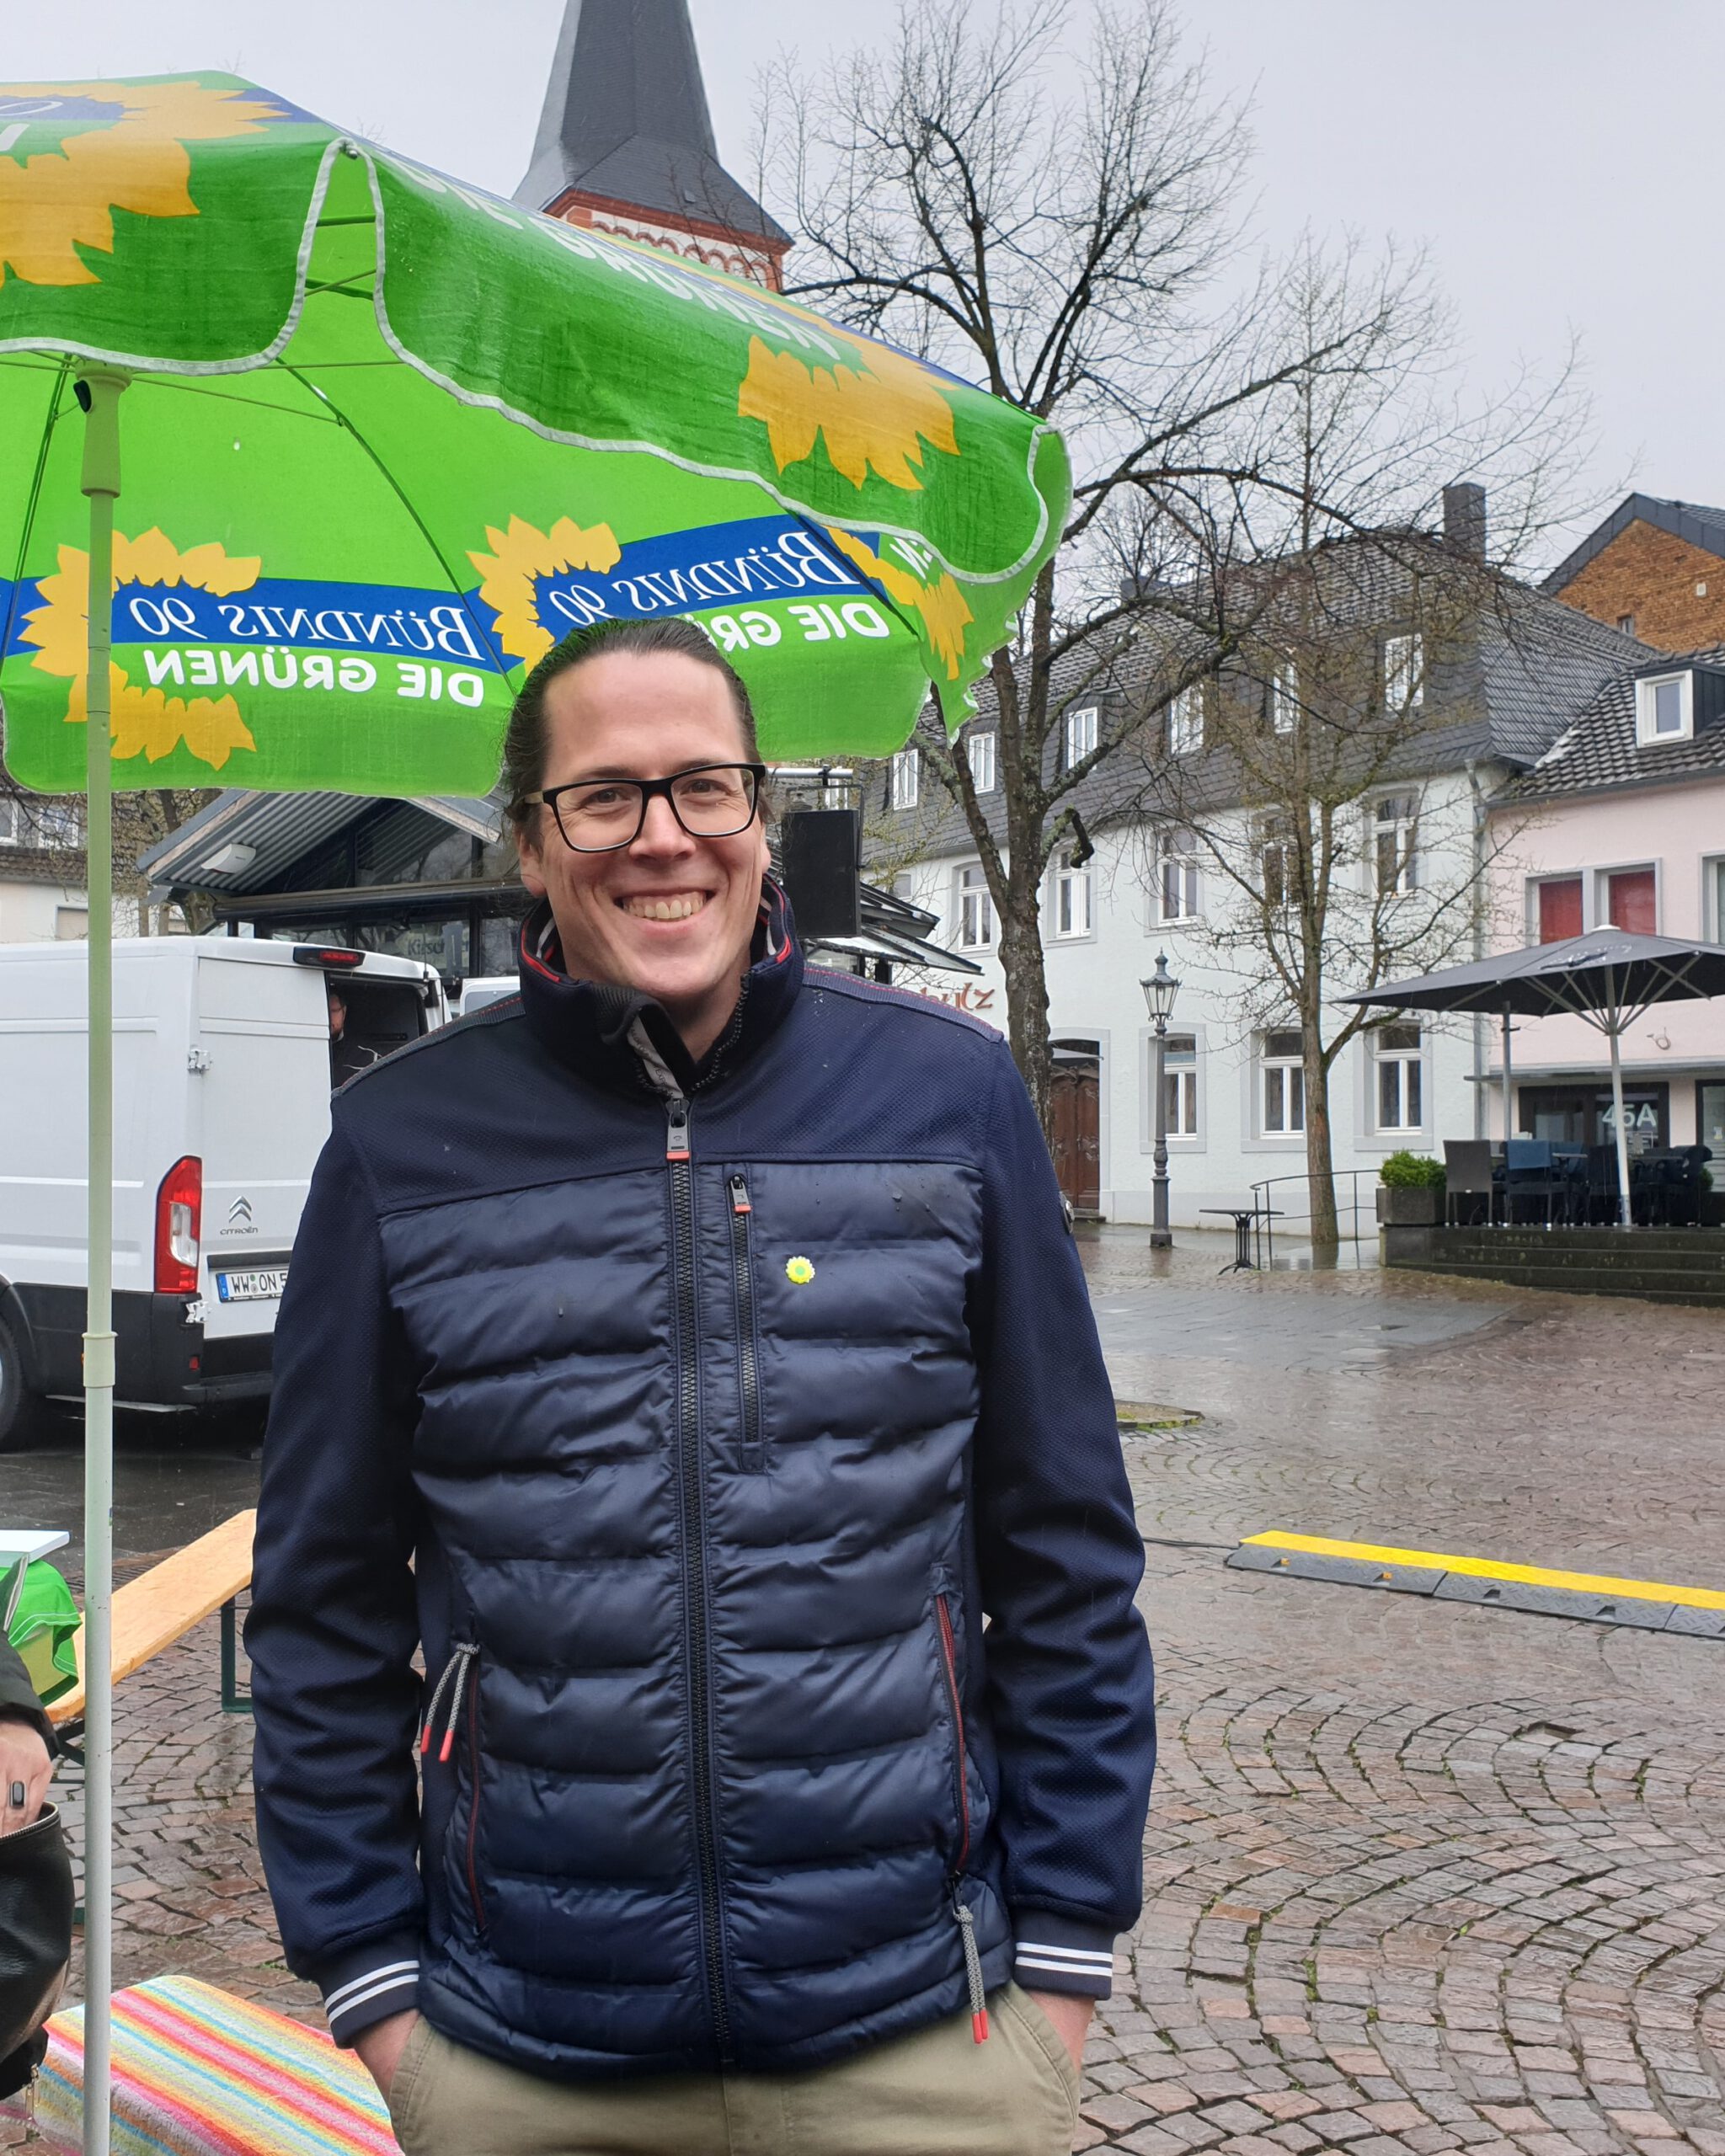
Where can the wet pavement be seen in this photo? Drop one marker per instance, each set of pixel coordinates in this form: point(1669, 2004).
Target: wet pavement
point(1420, 1876)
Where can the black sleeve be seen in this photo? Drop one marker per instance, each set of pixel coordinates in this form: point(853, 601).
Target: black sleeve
point(17, 1695)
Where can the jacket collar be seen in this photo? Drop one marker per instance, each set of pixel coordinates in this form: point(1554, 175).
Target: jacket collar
point(587, 1025)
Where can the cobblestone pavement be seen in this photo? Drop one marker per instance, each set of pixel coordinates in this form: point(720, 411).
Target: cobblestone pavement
point(1420, 1876)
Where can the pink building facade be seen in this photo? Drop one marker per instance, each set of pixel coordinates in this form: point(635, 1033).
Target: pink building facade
point(1622, 824)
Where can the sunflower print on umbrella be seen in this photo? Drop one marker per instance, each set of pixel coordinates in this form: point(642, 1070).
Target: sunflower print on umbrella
point(75, 153)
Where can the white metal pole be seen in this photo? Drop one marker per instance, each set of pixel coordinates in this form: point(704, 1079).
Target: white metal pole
point(101, 483)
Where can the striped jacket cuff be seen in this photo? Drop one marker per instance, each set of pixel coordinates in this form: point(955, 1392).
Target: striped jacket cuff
point(1053, 1953)
point(368, 1986)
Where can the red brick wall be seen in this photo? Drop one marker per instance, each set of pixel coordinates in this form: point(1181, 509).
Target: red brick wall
point(1653, 575)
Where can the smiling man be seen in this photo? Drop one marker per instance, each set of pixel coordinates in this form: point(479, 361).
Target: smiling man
point(690, 1354)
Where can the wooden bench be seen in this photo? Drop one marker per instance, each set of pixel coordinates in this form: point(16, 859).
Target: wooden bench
point(162, 1604)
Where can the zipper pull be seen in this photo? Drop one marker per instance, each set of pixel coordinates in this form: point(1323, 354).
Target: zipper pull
point(676, 1128)
point(740, 1195)
point(972, 1968)
point(462, 1656)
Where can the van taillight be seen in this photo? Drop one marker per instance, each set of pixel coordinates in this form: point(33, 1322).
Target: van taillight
point(179, 1224)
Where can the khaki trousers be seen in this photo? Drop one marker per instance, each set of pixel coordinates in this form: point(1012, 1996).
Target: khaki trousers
point(937, 2092)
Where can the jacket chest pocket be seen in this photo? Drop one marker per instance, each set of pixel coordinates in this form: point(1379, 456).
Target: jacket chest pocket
point(455, 1707)
point(741, 1224)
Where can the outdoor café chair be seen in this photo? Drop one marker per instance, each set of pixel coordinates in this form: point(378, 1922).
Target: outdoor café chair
point(1467, 1182)
point(1529, 1176)
point(1602, 1186)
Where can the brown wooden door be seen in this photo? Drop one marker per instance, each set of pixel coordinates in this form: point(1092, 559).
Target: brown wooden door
point(1077, 1098)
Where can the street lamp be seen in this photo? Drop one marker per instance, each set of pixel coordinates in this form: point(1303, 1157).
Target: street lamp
point(1159, 993)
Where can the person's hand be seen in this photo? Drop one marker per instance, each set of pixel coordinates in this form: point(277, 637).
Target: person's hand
point(380, 2047)
point(25, 1770)
point(1071, 2016)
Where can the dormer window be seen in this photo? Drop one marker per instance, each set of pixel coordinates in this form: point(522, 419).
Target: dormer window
point(1665, 709)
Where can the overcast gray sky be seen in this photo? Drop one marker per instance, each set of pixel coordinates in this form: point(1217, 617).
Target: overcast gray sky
point(1559, 157)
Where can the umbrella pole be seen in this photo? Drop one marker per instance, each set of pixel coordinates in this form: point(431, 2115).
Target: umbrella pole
point(1625, 1217)
point(101, 483)
point(1509, 1088)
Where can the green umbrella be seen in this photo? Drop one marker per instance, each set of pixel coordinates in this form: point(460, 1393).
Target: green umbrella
point(386, 438)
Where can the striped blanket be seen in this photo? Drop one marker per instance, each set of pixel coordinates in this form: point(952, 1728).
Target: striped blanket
point(199, 2073)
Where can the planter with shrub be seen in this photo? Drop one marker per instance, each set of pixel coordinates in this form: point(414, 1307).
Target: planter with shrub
point(1411, 1192)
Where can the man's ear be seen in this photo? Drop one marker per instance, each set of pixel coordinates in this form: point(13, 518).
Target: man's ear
point(529, 855)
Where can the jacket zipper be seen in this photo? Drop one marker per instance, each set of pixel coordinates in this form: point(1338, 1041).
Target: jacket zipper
point(748, 1367)
point(961, 1915)
point(457, 1681)
point(682, 1206)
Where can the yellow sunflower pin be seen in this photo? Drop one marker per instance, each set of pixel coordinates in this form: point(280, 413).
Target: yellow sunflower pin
point(799, 1270)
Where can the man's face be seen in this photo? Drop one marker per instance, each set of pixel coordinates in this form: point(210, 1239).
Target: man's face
point(647, 715)
point(337, 1016)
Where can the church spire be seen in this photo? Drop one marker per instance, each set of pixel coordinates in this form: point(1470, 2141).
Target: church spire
point(625, 142)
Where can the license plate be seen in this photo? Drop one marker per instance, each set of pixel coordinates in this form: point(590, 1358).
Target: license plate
point(261, 1287)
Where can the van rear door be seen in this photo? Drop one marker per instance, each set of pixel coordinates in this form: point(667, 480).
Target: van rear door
point(261, 1052)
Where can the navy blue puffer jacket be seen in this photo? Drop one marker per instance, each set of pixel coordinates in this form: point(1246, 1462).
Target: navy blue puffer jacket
point(694, 1420)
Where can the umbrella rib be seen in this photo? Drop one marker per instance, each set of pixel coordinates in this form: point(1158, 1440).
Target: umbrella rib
point(389, 479)
point(26, 522)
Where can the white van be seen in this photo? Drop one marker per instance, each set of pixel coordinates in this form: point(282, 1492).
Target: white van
point(222, 1084)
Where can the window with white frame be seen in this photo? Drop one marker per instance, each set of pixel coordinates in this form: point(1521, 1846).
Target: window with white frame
point(1180, 1085)
point(1071, 895)
point(1276, 863)
point(906, 779)
point(1284, 697)
point(1715, 929)
point(975, 910)
point(1404, 672)
point(1177, 880)
point(1282, 1085)
point(979, 755)
point(1395, 843)
point(1186, 721)
point(1400, 1084)
point(1665, 709)
point(36, 823)
point(1081, 735)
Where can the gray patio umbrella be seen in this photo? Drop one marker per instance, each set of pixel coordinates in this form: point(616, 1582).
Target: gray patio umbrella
point(1609, 978)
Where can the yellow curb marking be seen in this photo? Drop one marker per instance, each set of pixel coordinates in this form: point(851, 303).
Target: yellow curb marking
point(1319, 1545)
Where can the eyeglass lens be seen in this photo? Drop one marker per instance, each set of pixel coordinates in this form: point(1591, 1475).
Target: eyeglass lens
point(712, 803)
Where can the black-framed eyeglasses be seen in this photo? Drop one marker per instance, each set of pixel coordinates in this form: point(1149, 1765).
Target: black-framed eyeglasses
point(599, 815)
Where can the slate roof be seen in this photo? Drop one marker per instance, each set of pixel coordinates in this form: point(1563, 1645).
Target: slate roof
point(1597, 751)
point(626, 117)
point(1528, 667)
point(1700, 526)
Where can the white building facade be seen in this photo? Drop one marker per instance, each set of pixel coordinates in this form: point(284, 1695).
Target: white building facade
point(1234, 1089)
point(1505, 686)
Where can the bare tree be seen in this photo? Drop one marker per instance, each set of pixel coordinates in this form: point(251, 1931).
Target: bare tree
point(1342, 843)
point(1076, 251)
point(1307, 791)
